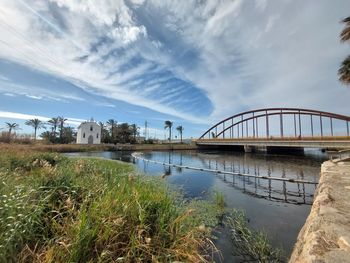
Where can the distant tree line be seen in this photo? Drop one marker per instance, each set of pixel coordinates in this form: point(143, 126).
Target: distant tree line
point(111, 131)
point(58, 132)
point(114, 132)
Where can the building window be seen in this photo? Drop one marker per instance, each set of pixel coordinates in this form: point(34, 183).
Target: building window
point(84, 135)
point(97, 135)
point(91, 128)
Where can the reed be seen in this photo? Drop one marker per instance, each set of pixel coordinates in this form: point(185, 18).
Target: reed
point(57, 209)
point(251, 245)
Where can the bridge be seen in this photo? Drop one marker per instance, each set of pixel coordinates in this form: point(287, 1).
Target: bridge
point(280, 129)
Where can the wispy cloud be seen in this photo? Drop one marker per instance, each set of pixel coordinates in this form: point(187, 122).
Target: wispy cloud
point(195, 60)
point(22, 116)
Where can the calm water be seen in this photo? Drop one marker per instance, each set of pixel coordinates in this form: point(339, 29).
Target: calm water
point(279, 208)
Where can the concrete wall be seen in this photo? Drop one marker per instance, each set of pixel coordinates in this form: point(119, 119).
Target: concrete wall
point(325, 237)
point(88, 130)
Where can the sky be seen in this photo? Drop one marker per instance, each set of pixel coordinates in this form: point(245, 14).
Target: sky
point(193, 62)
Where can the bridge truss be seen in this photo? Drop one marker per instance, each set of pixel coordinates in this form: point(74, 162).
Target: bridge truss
point(281, 123)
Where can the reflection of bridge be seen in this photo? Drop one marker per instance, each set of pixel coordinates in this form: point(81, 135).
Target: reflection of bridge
point(289, 182)
point(280, 128)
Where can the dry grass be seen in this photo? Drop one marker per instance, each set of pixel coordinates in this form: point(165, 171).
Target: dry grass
point(42, 147)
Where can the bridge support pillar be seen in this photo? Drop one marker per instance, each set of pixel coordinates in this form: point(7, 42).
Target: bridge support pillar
point(249, 149)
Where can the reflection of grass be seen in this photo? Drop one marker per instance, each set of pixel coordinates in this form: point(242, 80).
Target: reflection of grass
point(219, 199)
point(56, 209)
point(252, 245)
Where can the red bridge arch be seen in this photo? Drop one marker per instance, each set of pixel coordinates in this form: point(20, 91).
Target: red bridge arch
point(249, 124)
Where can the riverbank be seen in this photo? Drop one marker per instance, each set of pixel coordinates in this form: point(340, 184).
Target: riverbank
point(325, 237)
point(60, 209)
point(97, 147)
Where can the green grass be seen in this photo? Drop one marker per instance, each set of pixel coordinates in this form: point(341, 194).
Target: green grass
point(251, 245)
point(56, 209)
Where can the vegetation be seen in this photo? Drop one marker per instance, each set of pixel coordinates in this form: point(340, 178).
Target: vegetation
point(168, 125)
point(36, 124)
point(180, 129)
point(53, 122)
point(56, 209)
point(61, 121)
point(11, 127)
point(111, 132)
point(112, 124)
point(344, 71)
point(251, 245)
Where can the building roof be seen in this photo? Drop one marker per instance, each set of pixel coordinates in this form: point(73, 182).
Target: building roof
point(88, 122)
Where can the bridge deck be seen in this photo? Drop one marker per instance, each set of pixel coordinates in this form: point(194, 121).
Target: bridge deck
point(340, 142)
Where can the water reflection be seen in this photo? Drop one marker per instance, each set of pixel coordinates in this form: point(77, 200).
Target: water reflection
point(272, 190)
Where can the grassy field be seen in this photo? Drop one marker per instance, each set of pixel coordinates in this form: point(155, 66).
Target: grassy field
point(56, 209)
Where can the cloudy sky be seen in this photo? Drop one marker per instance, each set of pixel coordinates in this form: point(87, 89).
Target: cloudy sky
point(192, 62)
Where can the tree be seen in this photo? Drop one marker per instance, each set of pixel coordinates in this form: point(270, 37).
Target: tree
point(344, 71)
point(134, 131)
point(168, 125)
point(54, 123)
point(46, 135)
point(112, 126)
point(36, 124)
point(103, 130)
point(12, 127)
point(61, 121)
point(68, 135)
point(180, 129)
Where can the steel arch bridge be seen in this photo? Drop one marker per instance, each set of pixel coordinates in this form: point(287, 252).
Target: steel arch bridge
point(284, 127)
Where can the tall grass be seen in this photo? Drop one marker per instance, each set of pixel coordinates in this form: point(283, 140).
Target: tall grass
point(249, 244)
point(56, 209)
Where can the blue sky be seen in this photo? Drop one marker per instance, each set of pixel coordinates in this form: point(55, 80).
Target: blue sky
point(192, 62)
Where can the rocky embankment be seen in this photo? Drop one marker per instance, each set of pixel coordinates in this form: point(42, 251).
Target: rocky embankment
point(325, 237)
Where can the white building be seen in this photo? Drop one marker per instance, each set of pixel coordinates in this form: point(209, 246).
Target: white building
point(89, 133)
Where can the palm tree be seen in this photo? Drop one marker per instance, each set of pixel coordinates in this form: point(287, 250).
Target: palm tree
point(12, 126)
point(61, 121)
point(54, 122)
point(36, 124)
point(168, 125)
point(102, 125)
point(344, 71)
point(68, 134)
point(112, 124)
point(46, 135)
point(345, 34)
point(180, 129)
point(134, 130)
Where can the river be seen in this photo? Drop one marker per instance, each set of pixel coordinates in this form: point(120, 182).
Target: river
point(279, 208)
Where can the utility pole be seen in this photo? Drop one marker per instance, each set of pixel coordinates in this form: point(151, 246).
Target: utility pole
point(146, 127)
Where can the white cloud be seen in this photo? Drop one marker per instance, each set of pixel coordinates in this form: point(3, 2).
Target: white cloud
point(21, 116)
point(9, 94)
point(34, 97)
point(240, 54)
